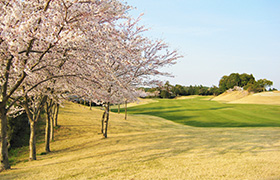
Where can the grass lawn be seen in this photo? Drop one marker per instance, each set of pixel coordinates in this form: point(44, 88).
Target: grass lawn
point(150, 147)
point(199, 112)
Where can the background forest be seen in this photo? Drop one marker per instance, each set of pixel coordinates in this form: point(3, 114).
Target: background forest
point(244, 81)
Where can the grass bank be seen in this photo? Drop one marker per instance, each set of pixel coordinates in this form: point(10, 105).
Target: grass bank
point(149, 147)
point(200, 112)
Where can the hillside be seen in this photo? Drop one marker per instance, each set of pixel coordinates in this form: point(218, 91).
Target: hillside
point(260, 98)
point(147, 147)
point(244, 97)
point(229, 96)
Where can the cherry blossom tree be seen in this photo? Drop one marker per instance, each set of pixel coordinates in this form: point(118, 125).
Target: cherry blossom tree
point(35, 35)
point(126, 59)
point(79, 44)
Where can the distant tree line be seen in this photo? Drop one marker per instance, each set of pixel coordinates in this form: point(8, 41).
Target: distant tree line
point(245, 81)
point(169, 91)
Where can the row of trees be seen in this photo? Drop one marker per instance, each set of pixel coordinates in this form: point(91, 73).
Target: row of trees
point(248, 82)
point(51, 49)
point(169, 91)
point(244, 80)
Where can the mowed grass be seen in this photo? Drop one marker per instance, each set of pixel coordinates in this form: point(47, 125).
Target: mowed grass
point(149, 147)
point(200, 112)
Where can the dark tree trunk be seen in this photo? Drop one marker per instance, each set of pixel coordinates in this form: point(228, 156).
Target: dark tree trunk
point(49, 108)
point(102, 121)
point(52, 129)
point(4, 143)
point(56, 115)
point(3, 112)
point(119, 107)
point(33, 119)
point(107, 120)
point(47, 132)
point(125, 116)
point(32, 141)
point(52, 115)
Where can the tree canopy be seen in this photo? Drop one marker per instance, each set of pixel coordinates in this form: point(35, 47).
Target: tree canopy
point(52, 49)
point(246, 81)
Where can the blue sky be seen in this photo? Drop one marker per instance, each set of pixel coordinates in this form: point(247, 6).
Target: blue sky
point(216, 37)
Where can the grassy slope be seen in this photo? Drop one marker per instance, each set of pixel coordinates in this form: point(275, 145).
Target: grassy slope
point(201, 113)
point(231, 96)
point(244, 97)
point(146, 147)
point(260, 98)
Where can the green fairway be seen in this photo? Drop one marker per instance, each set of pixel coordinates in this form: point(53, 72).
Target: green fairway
point(199, 112)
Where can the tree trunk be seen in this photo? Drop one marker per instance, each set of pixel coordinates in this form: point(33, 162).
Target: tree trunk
point(49, 108)
point(32, 141)
point(125, 116)
point(4, 143)
point(51, 129)
point(52, 114)
point(47, 132)
point(33, 119)
point(90, 104)
point(107, 120)
point(119, 108)
point(56, 115)
point(102, 122)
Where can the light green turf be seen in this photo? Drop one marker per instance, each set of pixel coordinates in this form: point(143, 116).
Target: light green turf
point(199, 112)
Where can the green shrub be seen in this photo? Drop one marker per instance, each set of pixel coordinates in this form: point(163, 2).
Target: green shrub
point(18, 131)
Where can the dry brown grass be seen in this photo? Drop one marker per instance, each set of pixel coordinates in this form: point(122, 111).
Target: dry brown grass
point(243, 97)
point(231, 96)
point(260, 98)
point(145, 147)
